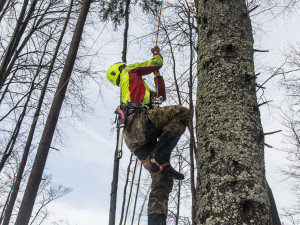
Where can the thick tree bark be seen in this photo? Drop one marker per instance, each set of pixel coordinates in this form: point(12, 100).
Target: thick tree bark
point(44, 146)
point(230, 159)
point(23, 162)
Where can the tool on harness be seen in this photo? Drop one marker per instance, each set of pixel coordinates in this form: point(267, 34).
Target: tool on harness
point(120, 124)
point(156, 101)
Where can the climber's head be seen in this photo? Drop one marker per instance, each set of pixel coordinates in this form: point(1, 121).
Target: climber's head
point(114, 71)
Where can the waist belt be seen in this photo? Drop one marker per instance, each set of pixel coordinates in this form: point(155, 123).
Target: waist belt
point(130, 108)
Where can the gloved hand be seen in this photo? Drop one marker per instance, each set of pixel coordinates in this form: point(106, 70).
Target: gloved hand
point(155, 49)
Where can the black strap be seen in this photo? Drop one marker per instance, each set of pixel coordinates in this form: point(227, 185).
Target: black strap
point(144, 121)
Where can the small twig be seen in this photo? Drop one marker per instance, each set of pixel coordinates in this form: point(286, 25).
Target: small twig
point(56, 149)
point(258, 50)
point(259, 105)
point(251, 10)
point(269, 146)
point(260, 86)
point(274, 132)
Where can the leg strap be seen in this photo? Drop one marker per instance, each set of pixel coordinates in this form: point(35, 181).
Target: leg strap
point(160, 166)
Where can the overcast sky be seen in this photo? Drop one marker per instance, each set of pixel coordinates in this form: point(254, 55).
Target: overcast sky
point(85, 161)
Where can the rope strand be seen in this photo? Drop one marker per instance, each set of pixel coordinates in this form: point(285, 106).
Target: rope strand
point(159, 21)
point(156, 74)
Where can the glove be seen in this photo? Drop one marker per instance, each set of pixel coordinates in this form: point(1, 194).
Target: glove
point(155, 49)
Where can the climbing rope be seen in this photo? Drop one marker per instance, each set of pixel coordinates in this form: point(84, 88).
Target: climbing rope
point(156, 73)
point(159, 21)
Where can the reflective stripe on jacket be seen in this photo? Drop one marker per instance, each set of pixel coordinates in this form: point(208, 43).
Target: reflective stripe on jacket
point(133, 87)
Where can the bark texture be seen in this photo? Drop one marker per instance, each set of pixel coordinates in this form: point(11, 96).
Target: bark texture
point(230, 159)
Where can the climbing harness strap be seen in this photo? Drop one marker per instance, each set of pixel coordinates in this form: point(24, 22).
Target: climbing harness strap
point(160, 166)
point(130, 108)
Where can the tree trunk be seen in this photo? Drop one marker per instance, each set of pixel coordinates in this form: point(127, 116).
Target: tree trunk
point(11, 144)
point(15, 39)
point(125, 35)
point(192, 144)
point(114, 183)
point(230, 159)
point(178, 192)
point(2, 4)
point(43, 149)
point(23, 162)
point(125, 189)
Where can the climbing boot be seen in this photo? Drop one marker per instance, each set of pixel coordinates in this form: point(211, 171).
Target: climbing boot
point(156, 219)
point(162, 153)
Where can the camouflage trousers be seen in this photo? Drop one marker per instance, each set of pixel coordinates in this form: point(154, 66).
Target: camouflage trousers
point(173, 119)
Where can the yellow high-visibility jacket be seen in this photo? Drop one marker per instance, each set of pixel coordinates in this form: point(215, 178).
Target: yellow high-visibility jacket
point(133, 87)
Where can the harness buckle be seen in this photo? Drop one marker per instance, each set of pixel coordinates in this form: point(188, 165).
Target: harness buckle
point(156, 101)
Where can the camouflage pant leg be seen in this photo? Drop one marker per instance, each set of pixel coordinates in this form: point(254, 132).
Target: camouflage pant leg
point(161, 188)
point(174, 119)
point(136, 137)
point(170, 118)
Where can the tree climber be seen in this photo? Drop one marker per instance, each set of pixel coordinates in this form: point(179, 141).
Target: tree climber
point(151, 132)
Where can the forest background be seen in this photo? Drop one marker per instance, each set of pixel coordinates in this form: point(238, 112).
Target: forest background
point(81, 157)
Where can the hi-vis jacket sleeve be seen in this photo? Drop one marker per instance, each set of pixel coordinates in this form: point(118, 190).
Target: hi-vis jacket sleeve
point(160, 89)
point(147, 67)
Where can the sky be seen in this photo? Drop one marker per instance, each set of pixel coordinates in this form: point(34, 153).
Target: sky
point(85, 161)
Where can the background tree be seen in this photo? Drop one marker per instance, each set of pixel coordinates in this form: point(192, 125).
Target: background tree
point(44, 146)
point(291, 114)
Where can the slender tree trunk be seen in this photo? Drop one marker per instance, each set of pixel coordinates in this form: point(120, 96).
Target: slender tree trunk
point(125, 189)
point(4, 9)
point(191, 127)
point(15, 39)
point(45, 143)
point(21, 169)
point(10, 146)
point(230, 159)
point(179, 192)
point(2, 4)
point(5, 205)
point(114, 186)
point(114, 183)
point(15, 55)
point(136, 194)
point(143, 205)
point(125, 35)
point(131, 186)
